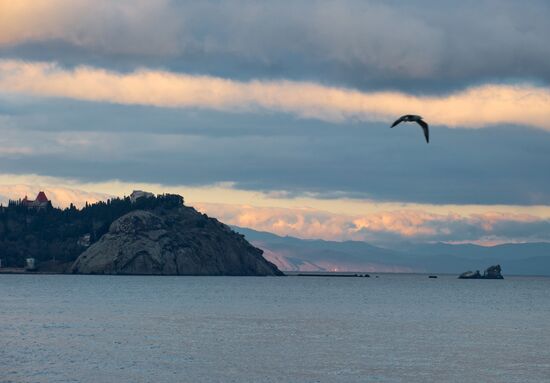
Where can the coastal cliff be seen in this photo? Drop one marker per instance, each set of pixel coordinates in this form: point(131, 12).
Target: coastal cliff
point(175, 241)
point(138, 234)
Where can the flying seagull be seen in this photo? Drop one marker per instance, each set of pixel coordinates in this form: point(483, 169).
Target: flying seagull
point(418, 120)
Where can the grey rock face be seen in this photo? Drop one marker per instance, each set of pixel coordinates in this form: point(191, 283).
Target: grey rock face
point(176, 241)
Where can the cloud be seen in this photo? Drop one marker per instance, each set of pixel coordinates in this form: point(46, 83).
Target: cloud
point(475, 107)
point(126, 26)
point(386, 226)
point(434, 45)
point(348, 220)
point(60, 196)
point(292, 158)
point(10, 150)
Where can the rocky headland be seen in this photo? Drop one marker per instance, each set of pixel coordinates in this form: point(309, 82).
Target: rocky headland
point(177, 241)
point(141, 234)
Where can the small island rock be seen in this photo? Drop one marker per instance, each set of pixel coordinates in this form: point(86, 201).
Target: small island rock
point(492, 272)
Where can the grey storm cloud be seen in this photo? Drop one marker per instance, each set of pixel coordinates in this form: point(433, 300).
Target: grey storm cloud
point(426, 45)
point(92, 142)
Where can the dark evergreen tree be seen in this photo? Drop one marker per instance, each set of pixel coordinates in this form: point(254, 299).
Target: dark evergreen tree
point(54, 234)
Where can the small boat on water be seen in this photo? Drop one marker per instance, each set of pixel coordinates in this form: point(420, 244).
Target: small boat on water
point(432, 276)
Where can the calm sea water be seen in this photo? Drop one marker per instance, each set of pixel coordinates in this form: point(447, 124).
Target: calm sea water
point(395, 328)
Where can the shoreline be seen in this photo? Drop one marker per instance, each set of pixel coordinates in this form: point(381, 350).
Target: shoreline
point(16, 270)
point(288, 273)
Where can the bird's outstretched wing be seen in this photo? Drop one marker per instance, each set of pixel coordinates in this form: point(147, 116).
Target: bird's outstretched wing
point(425, 128)
point(399, 120)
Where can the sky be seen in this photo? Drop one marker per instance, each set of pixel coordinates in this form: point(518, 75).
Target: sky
point(275, 115)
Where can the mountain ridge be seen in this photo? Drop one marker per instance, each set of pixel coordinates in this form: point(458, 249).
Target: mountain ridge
point(289, 253)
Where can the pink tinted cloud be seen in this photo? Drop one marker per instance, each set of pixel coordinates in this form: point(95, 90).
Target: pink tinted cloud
point(122, 26)
point(407, 224)
point(60, 196)
point(476, 107)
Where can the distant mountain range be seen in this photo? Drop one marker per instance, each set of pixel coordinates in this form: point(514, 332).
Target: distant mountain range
point(295, 254)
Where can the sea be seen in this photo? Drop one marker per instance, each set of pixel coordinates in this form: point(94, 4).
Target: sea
point(386, 328)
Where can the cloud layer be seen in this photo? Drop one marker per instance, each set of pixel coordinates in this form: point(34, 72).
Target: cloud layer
point(273, 153)
point(382, 224)
point(380, 227)
point(476, 107)
point(127, 26)
point(427, 45)
point(386, 226)
point(60, 196)
point(290, 101)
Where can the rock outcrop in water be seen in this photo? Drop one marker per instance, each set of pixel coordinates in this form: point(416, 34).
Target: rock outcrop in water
point(470, 275)
point(492, 272)
point(174, 241)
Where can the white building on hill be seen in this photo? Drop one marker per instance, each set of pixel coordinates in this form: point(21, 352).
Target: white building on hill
point(137, 194)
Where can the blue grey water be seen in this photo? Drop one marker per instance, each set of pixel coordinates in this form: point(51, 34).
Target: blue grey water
point(395, 328)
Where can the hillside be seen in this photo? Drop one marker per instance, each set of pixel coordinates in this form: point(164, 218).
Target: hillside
point(60, 235)
point(153, 235)
point(174, 241)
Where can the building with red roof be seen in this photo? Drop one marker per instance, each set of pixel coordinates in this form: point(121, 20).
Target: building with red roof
point(41, 197)
point(41, 202)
